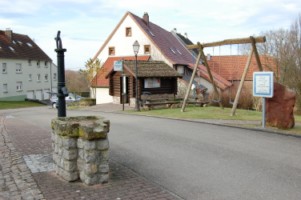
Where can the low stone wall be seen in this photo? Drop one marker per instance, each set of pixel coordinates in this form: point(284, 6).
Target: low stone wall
point(80, 148)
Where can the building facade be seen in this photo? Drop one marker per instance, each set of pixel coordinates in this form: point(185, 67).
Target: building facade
point(26, 71)
point(155, 42)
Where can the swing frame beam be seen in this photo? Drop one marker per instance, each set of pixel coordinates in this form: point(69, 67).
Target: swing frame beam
point(251, 40)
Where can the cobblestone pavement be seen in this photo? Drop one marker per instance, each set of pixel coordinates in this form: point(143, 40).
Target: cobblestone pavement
point(30, 174)
point(16, 181)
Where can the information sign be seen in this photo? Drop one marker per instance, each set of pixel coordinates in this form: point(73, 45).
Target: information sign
point(118, 65)
point(263, 84)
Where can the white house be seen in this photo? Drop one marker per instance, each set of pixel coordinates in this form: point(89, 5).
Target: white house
point(155, 42)
point(26, 71)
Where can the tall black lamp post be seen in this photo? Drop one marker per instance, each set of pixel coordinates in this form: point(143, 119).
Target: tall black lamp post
point(62, 91)
point(136, 50)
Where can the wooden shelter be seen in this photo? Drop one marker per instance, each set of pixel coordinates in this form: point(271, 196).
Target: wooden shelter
point(154, 77)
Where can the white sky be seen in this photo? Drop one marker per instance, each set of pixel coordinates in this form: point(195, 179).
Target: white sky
point(86, 24)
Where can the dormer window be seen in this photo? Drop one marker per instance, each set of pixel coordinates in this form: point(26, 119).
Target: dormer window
point(29, 44)
point(11, 48)
point(150, 32)
point(111, 51)
point(172, 50)
point(128, 32)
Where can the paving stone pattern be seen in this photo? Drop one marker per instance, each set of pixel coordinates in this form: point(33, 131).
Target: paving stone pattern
point(39, 162)
point(31, 175)
point(16, 181)
point(124, 184)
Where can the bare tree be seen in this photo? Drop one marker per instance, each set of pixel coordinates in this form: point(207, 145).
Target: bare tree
point(285, 46)
point(92, 67)
point(76, 82)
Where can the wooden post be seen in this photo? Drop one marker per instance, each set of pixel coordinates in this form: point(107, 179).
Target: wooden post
point(256, 53)
point(243, 77)
point(191, 80)
point(230, 41)
point(211, 78)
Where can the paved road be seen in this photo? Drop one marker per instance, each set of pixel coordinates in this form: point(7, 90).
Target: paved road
point(199, 161)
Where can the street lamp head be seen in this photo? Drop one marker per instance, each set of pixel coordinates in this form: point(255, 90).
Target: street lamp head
point(136, 46)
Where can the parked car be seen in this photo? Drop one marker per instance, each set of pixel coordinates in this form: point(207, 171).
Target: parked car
point(70, 98)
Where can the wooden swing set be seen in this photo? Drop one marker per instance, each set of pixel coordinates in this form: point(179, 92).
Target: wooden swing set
point(251, 40)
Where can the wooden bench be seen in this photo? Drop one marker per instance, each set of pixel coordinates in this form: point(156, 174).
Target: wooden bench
point(151, 103)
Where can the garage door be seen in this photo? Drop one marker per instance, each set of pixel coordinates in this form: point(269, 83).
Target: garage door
point(39, 94)
point(30, 94)
point(46, 94)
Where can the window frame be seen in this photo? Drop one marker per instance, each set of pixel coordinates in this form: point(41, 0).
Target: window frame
point(128, 32)
point(5, 88)
point(38, 77)
point(18, 68)
point(4, 68)
point(147, 46)
point(19, 86)
point(150, 83)
point(111, 51)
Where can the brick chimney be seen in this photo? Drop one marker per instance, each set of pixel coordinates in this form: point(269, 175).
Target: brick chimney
point(146, 18)
point(9, 34)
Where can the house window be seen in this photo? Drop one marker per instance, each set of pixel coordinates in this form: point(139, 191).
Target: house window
point(4, 68)
point(46, 77)
point(19, 86)
point(152, 83)
point(54, 76)
point(29, 63)
point(5, 88)
point(128, 32)
point(111, 51)
point(30, 77)
point(38, 64)
point(18, 68)
point(180, 69)
point(146, 49)
point(38, 77)
point(46, 64)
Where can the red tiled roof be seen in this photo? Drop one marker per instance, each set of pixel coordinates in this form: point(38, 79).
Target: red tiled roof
point(18, 46)
point(232, 67)
point(221, 82)
point(100, 79)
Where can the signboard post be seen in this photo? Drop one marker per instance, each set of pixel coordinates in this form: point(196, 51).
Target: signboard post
point(263, 86)
point(118, 66)
point(123, 90)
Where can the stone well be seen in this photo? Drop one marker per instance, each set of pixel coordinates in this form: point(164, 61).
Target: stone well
point(80, 148)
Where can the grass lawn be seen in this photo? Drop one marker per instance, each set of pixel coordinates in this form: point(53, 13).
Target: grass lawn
point(193, 112)
point(17, 104)
point(210, 112)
